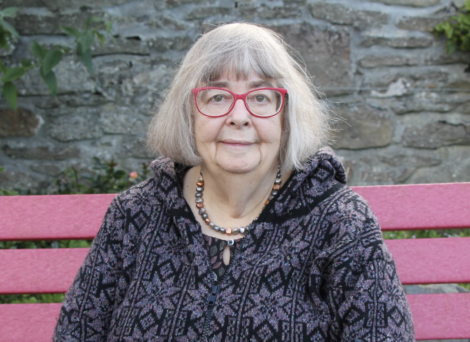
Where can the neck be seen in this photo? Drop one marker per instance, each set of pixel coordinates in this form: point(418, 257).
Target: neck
point(237, 196)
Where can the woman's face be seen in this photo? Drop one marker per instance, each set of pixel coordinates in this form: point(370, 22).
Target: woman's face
point(239, 142)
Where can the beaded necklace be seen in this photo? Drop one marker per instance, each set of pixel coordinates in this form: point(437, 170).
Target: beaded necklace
point(230, 231)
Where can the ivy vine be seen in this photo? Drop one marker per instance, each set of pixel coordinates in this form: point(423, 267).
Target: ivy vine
point(48, 59)
point(457, 30)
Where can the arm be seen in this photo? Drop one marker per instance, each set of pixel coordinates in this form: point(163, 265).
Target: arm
point(87, 308)
point(363, 292)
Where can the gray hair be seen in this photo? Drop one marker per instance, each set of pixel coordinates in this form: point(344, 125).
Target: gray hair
point(242, 49)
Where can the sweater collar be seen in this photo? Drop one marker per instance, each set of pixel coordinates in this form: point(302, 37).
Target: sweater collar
point(322, 171)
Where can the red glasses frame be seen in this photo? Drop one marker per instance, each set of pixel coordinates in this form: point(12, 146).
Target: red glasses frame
point(240, 97)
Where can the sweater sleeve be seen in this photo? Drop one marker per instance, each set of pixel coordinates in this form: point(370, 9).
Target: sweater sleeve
point(87, 309)
point(364, 295)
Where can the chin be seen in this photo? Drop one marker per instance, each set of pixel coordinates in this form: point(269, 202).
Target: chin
point(238, 167)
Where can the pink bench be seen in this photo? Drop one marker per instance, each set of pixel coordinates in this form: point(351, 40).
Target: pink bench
point(400, 207)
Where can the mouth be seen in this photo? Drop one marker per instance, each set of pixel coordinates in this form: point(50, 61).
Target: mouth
point(236, 143)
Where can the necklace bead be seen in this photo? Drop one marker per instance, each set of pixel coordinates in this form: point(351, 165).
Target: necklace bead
point(231, 231)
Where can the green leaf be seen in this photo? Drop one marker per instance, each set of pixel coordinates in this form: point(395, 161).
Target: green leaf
point(10, 93)
point(71, 31)
point(467, 5)
point(10, 12)
point(4, 38)
point(465, 46)
point(119, 174)
point(26, 63)
point(12, 74)
point(101, 37)
point(86, 39)
point(51, 81)
point(3, 68)
point(38, 50)
point(10, 29)
point(51, 59)
point(86, 59)
point(109, 24)
point(451, 46)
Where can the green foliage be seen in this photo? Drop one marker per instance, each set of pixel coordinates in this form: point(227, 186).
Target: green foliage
point(456, 29)
point(85, 39)
point(107, 178)
point(423, 234)
point(32, 299)
point(47, 58)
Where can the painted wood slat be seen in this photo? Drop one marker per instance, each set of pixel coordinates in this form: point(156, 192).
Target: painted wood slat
point(53, 217)
point(436, 316)
point(39, 270)
point(419, 261)
point(397, 207)
point(420, 206)
point(432, 261)
point(28, 322)
point(441, 316)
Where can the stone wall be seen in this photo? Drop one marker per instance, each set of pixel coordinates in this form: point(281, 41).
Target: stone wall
point(404, 103)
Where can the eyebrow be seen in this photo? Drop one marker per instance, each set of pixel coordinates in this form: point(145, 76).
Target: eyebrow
point(253, 85)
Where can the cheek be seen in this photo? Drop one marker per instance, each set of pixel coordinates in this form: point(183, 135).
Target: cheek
point(206, 130)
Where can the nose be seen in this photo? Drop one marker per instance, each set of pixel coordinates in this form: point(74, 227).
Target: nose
point(239, 116)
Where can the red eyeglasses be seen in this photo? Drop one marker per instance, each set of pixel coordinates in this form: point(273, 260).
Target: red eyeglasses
point(263, 102)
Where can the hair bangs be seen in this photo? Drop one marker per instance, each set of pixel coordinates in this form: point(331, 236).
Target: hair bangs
point(241, 62)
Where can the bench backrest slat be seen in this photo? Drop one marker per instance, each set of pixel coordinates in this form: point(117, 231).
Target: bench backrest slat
point(419, 206)
point(437, 316)
point(398, 207)
point(59, 217)
point(53, 270)
point(39, 270)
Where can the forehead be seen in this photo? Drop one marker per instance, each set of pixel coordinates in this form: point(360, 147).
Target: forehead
point(251, 80)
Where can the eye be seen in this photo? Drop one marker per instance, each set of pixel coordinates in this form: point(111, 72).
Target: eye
point(260, 98)
point(217, 98)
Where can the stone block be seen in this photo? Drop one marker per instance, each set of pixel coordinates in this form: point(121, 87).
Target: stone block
point(38, 21)
point(425, 24)
point(339, 14)
point(362, 126)
point(437, 134)
point(381, 61)
point(80, 126)
point(72, 77)
point(413, 3)
point(454, 168)
point(14, 179)
point(286, 11)
point(398, 42)
point(174, 3)
point(162, 44)
point(123, 46)
point(390, 165)
point(384, 83)
point(122, 120)
point(445, 58)
point(425, 101)
point(61, 5)
point(326, 53)
point(201, 12)
point(42, 152)
point(137, 148)
point(19, 123)
point(47, 169)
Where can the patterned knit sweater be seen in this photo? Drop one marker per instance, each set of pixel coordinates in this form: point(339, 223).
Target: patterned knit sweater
point(313, 267)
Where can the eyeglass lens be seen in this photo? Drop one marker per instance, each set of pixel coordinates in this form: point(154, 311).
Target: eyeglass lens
point(216, 102)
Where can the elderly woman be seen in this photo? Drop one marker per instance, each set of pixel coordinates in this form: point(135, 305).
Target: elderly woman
point(247, 231)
